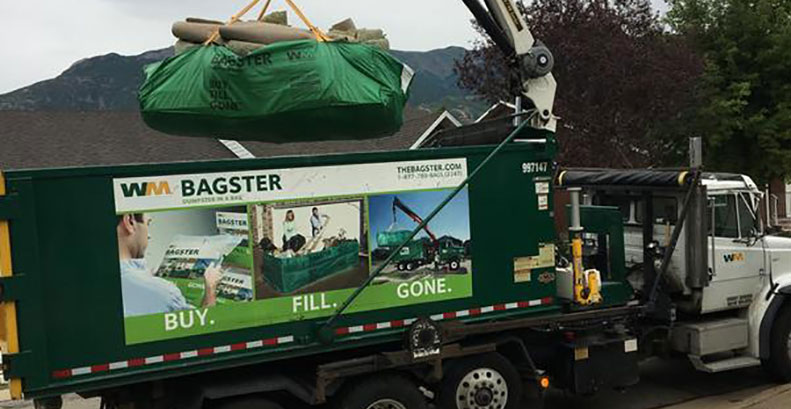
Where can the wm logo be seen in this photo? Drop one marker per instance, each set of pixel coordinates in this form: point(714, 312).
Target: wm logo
point(733, 257)
point(299, 55)
point(145, 189)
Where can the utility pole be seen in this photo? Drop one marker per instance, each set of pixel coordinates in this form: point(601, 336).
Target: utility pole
point(696, 152)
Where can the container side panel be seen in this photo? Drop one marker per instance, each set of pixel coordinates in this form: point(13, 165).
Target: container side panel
point(279, 262)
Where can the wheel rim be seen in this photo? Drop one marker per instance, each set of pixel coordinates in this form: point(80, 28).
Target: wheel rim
point(386, 404)
point(482, 388)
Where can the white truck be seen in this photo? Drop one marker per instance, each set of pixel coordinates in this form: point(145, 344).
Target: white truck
point(726, 289)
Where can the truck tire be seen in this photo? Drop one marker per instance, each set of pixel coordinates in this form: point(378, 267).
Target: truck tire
point(486, 381)
point(247, 403)
point(410, 266)
point(454, 265)
point(382, 392)
point(779, 363)
point(401, 266)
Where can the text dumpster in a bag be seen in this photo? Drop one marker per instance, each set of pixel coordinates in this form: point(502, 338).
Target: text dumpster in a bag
point(285, 92)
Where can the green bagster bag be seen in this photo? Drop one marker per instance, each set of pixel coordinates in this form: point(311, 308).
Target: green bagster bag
point(290, 274)
point(392, 238)
point(284, 92)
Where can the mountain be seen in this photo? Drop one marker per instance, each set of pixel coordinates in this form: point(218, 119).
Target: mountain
point(110, 83)
point(435, 83)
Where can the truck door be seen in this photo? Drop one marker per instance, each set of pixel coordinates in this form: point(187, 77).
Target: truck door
point(735, 257)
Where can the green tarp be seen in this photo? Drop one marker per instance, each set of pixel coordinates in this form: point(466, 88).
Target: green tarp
point(285, 92)
point(392, 238)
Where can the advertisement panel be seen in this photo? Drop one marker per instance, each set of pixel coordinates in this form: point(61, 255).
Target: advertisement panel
point(206, 253)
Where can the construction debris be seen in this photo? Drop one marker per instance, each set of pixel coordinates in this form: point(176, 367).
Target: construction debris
point(244, 37)
point(277, 17)
point(194, 32)
point(263, 33)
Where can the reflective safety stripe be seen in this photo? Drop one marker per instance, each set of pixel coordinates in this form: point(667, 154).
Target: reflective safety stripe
point(357, 329)
point(171, 357)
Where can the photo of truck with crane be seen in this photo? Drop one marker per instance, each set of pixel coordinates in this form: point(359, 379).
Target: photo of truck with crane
point(446, 251)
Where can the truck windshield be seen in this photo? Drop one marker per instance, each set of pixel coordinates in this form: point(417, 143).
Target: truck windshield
point(748, 223)
point(725, 219)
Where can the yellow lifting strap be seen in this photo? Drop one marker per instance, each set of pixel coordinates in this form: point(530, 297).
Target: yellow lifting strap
point(233, 19)
point(8, 330)
point(264, 10)
point(320, 36)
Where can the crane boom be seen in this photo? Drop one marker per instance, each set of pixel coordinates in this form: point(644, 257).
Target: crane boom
point(508, 29)
point(398, 204)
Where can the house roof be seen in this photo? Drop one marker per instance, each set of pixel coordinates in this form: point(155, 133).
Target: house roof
point(446, 120)
point(498, 110)
point(416, 122)
point(64, 139)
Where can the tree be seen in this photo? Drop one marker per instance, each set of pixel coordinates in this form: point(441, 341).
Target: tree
point(624, 82)
point(744, 96)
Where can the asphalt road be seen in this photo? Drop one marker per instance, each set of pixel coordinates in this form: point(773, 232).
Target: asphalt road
point(671, 384)
point(664, 383)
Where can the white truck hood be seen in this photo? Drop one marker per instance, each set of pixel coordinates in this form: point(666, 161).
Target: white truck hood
point(779, 249)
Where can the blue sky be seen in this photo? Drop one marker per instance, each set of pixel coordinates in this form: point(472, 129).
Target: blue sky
point(453, 220)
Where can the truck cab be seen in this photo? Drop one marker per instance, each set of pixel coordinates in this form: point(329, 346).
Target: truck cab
point(735, 249)
point(726, 276)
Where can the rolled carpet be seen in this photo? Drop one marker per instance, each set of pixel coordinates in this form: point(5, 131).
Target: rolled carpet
point(193, 32)
point(263, 33)
point(204, 21)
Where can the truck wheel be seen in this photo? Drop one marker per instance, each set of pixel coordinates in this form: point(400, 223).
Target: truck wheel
point(383, 392)
point(487, 381)
point(454, 265)
point(779, 363)
point(401, 266)
point(410, 266)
